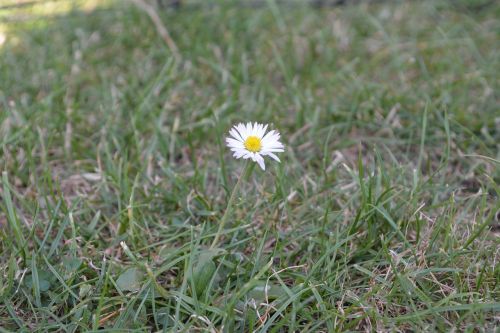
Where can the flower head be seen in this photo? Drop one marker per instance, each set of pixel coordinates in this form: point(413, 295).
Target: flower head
point(251, 141)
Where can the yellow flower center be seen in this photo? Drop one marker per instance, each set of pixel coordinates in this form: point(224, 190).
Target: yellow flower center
point(253, 144)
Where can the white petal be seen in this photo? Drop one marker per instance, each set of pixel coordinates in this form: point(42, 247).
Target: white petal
point(242, 130)
point(234, 143)
point(271, 133)
point(273, 144)
point(234, 133)
point(243, 150)
point(234, 150)
point(272, 150)
point(275, 137)
point(256, 129)
point(249, 129)
point(273, 156)
point(280, 147)
point(262, 131)
point(270, 136)
point(260, 161)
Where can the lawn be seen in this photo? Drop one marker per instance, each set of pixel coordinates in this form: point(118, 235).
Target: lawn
point(383, 214)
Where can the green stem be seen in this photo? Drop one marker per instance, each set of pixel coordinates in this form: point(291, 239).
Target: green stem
point(230, 203)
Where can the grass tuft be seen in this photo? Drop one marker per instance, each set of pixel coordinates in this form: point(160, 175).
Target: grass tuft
point(382, 216)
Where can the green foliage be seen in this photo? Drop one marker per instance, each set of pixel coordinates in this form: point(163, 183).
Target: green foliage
point(130, 280)
point(382, 216)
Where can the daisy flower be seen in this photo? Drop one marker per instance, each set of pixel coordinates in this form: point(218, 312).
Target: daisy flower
point(251, 141)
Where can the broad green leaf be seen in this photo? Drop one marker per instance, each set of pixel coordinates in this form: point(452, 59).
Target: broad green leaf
point(203, 270)
point(130, 280)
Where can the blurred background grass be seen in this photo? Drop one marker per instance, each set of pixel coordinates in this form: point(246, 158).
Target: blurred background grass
point(385, 205)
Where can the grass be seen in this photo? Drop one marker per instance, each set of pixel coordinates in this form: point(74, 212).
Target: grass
point(382, 216)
